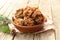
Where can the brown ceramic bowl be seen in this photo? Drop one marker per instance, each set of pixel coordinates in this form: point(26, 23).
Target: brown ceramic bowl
point(29, 29)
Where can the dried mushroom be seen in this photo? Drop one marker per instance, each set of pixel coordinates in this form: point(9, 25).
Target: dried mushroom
point(28, 16)
point(36, 12)
point(28, 21)
point(19, 21)
point(19, 13)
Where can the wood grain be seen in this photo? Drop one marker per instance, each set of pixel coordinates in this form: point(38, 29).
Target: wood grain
point(10, 8)
point(45, 7)
point(24, 37)
point(48, 35)
point(2, 35)
point(56, 16)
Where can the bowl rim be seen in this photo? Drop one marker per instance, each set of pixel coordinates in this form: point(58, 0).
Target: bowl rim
point(28, 26)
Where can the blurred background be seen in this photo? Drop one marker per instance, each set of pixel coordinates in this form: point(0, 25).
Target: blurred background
point(49, 8)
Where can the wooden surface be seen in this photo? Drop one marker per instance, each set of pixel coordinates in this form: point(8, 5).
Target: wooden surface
point(50, 8)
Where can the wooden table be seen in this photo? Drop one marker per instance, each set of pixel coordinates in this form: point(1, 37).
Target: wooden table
point(48, 7)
